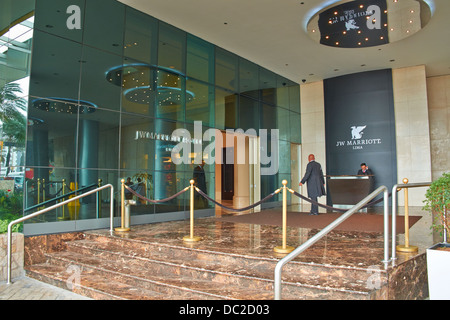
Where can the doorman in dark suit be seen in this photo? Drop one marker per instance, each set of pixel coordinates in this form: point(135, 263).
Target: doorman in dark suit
point(200, 182)
point(314, 181)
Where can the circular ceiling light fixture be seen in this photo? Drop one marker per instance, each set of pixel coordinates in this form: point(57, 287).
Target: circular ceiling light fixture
point(64, 105)
point(358, 24)
point(145, 83)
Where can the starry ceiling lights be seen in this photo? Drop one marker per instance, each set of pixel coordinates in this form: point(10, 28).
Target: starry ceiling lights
point(143, 83)
point(367, 23)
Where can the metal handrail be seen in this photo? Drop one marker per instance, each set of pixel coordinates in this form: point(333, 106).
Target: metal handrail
point(54, 207)
point(394, 210)
point(330, 227)
point(59, 198)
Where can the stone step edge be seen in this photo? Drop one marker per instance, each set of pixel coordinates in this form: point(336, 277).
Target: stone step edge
point(266, 280)
point(155, 282)
point(92, 235)
point(58, 282)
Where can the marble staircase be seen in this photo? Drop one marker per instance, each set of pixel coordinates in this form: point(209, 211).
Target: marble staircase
point(101, 266)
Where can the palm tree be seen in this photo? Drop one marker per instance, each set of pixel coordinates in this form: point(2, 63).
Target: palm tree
point(11, 103)
point(12, 119)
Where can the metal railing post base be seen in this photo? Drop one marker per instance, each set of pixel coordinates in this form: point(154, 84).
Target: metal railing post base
point(281, 249)
point(193, 239)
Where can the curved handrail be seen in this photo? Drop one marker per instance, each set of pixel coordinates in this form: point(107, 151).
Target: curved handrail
point(394, 210)
point(330, 227)
point(37, 213)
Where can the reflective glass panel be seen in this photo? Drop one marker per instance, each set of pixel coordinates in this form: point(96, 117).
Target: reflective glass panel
point(268, 117)
point(248, 78)
point(199, 102)
point(141, 34)
point(295, 127)
point(171, 48)
point(171, 95)
point(142, 183)
point(284, 159)
point(52, 131)
point(139, 86)
point(55, 68)
point(59, 182)
point(225, 109)
point(200, 59)
point(98, 139)
point(55, 17)
point(282, 92)
point(167, 183)
point(249, 113)
point(138, 137)
point(294, 98)
point(95, 86)
point(283, 123)
point(226, 70)
point(268, 84)
point(104, 25)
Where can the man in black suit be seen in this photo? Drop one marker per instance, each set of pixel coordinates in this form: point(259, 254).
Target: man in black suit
point(200, 182)
point(364, 171)
point(315, 182)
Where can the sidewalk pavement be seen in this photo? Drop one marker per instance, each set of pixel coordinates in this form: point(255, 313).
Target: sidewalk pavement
point(25, 288)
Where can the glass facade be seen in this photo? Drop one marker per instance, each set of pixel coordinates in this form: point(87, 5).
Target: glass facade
point(16, 31)
point(108, 87)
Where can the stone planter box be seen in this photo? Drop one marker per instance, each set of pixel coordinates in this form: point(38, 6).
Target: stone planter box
point(438, 264)
point(17, 257)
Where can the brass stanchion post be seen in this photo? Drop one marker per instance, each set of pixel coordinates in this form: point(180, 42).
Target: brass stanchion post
point(122, 209)
point(284, 248)
point(43, 190)
point(99, 200)
point(191, 237)
point(38, 191)
point(63, 193)
point(406, 248)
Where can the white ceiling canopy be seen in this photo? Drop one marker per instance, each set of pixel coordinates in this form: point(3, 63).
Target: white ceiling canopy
point(274, 35)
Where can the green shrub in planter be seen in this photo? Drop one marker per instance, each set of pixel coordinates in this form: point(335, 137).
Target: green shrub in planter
point(437, 200)
point(438, 256)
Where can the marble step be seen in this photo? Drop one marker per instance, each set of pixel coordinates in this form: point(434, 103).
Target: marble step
point(345, 278)
point(159, 285)
point(89, 283)
point(112, 267)
point(179, 286)
point(232, 272)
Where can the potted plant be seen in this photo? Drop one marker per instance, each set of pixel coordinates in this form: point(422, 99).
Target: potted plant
point(437, 200)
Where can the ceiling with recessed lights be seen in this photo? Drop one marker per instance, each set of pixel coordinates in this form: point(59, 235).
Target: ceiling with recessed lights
point(276, 34)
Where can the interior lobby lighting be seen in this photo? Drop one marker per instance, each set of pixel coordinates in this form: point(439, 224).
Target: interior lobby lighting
point(64, 105)
point(373, 23)
point(148, 82)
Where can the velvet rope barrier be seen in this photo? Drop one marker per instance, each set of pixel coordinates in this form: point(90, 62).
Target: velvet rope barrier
point(156, 201)
point(233, 209)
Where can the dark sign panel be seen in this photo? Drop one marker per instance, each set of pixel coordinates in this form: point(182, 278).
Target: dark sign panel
point(360, 125)
point(355, 24)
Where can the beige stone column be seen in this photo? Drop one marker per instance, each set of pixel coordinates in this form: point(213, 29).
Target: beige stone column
point(312, 127)
point(412, 130)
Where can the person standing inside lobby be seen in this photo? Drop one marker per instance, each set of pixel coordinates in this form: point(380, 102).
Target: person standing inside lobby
point(315, 182)
point(200, 182)
point(364, 171)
